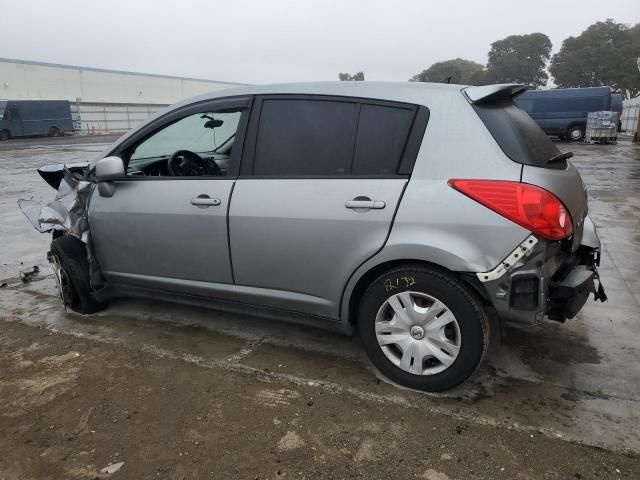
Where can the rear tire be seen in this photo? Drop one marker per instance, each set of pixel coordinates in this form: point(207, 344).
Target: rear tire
point(575, 133)
point(68, 256)
point(4, 135)
point(429, 316)
point(54, 132)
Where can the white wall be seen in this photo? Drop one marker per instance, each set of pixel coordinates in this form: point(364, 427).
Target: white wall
point(37, 81)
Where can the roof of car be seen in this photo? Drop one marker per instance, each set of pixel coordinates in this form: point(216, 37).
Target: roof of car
point(399, 91)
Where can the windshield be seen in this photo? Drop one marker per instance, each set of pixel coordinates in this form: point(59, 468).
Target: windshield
point(518, 135)
point(199, 133)
point(3, 106)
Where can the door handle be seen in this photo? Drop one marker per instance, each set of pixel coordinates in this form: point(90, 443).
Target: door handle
point(204, 201)
point(364, 203)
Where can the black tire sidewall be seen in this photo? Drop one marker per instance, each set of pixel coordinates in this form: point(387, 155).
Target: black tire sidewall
point(468, 311)
point(71, 254)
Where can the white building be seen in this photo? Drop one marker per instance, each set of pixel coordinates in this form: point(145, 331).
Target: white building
point(101, 100)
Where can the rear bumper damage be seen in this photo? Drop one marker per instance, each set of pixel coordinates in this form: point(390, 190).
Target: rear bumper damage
point(542, 278)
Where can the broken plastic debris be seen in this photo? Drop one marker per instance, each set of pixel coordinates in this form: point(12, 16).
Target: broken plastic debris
point(113, 468)
point(28, 275)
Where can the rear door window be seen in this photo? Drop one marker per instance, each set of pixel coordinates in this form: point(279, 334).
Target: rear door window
point(519, 136)
point(323, 137)
point(305, 138)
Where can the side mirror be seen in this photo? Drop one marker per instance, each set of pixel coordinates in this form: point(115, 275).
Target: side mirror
point(108, 169)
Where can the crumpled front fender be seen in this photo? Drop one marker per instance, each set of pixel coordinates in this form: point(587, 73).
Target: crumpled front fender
point(67, 212)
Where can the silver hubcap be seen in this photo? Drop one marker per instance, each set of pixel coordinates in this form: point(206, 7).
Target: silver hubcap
point(576, 134)
point(418, 333)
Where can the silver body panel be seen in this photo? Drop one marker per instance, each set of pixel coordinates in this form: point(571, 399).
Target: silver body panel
point(292, 244)
point(150, 230)
point(298, 235)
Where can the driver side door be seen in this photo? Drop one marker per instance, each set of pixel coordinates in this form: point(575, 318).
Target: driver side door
point(169, 231)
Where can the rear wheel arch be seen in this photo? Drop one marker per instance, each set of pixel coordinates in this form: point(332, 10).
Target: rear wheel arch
point(377, 270)
point(5, 134)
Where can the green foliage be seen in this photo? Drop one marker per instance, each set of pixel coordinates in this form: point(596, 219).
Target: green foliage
point(604, 54)
point(460, 71)
point(519, 59)
point(347, 77)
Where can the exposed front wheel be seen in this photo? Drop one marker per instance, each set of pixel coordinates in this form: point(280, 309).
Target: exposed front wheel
point(68, 257)
point(422, 328)
point(4, 135)
point(576, 133)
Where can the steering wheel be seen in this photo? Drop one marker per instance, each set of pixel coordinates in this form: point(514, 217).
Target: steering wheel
point(185, 163)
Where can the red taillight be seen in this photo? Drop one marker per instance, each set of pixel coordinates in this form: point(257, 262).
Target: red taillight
point(527, 205)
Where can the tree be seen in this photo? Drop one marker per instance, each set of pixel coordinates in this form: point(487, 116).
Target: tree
point(520, 59)
point(604, 54)
point(459, 70)
point(347, 77)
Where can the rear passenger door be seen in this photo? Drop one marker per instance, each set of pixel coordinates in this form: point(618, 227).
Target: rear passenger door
point(319, 186)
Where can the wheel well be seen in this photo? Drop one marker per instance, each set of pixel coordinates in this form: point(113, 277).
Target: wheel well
point(469, 278)
point(576, 124)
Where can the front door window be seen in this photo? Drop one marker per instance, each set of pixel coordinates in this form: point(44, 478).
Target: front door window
point(196, 145)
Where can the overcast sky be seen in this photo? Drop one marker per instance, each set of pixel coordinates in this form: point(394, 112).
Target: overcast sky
point(265, 41)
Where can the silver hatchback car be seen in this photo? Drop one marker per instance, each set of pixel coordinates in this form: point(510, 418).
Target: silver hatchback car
point(406, 212)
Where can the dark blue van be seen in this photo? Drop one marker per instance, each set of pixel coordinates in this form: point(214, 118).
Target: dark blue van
point(563, 111)
point(23, 118)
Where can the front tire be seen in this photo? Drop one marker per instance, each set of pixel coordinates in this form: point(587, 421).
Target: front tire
point(4, 135)
point(68, 256)
point(423, 328)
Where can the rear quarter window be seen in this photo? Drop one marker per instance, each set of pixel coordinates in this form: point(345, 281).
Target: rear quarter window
point(518, 135)
point(381, 138)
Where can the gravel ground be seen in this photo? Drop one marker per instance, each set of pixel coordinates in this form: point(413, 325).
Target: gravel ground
point(72, 406)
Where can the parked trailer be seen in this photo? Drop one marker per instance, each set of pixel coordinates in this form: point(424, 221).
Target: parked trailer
point(24, 118)
point(563, 112)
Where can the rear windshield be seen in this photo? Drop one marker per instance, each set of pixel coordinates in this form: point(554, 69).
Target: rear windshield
point(519, 136)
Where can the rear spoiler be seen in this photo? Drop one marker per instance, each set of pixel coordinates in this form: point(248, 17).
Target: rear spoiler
point(492, 93)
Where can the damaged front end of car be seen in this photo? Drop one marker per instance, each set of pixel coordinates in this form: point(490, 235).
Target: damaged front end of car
point(65, 215)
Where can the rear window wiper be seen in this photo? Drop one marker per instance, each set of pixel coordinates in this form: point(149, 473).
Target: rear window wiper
point(560, 157)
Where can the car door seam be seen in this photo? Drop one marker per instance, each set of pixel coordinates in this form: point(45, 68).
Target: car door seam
point(384, 243)
point(233, 186)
